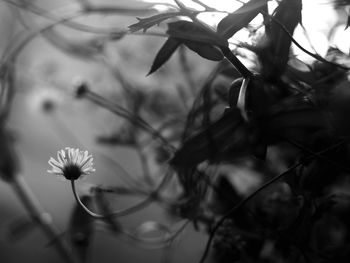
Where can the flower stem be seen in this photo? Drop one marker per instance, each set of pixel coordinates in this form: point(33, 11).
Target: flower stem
point(142, 204)
point(40, 216)
point(246, 73)
point(147, 201)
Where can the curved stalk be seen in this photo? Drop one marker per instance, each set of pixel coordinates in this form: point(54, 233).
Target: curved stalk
point(127, 211)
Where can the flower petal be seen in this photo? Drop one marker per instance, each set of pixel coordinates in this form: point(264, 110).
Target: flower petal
point(68, 157)
point(54, 163)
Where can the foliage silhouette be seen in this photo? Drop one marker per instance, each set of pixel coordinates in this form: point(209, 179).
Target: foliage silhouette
point(266, 117)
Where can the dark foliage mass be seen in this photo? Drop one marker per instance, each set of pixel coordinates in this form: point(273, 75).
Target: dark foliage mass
point(301, 214)
point(266, 117)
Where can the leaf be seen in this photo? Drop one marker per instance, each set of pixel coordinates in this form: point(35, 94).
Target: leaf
point(225, 194)
point(104, 207)
point(198, 39)
point(9, 162)
point(294, 117)
point(145, 23)
point(206, 51)
point(186, 30)
point(223, 139)
point(278, 39)
point(81, 228)
point(123, 137)
point(164, 53)
point(240, 18)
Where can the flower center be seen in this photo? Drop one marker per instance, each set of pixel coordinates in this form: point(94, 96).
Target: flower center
point(71, 172)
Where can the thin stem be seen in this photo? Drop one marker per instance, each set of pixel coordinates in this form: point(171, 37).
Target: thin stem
point(144, 164)
point(118, 213)
point(315, 56)
point(123, 212)
point(246, 73)
point(319, 155)
point(124, 113)
point(41, 217)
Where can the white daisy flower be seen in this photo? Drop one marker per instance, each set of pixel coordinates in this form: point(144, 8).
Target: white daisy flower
point(71, 163)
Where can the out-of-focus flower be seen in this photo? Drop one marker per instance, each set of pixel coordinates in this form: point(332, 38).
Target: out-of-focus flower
point(72, 164)
point(45, 99)
point(80, 86)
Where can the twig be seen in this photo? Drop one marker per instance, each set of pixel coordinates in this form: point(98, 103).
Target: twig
point(145, 166)
point(246, 73)
point(120, 111)
point(319, 155)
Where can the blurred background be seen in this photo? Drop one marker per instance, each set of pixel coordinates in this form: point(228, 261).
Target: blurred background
point(46, 117)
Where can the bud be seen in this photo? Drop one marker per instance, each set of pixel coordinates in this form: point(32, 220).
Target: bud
point(81, 87)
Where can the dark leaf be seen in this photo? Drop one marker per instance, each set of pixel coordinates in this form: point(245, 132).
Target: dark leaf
point(145, 23)
point(292, 117)
point(9, 163)
point(202, 106)
point(224, 139)
point(104, 207)
point(204, 50)
point(325, 205)
point(304, 119)
point(299, 231)
point(124, 137)
point(275, 51)
point(280, 40)
point(190, 31)
point(164, 53)
point(225, 195)
point(341, 3)
point(81, 228)
point(240, 18)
